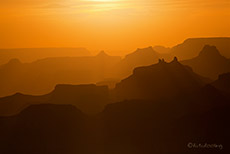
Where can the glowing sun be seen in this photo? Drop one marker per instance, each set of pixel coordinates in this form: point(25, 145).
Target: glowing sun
point(104, 0)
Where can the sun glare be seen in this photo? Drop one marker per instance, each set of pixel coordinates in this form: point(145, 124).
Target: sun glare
point(103, 5)
point(103, 0)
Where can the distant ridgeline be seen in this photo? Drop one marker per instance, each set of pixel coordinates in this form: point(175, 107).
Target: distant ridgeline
point(41, 76)
point(158, 106)
point(209, 63)
point(190, 48)
point(32, 54)
point(151, 105)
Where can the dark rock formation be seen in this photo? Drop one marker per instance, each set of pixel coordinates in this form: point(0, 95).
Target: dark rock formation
point(209, 63)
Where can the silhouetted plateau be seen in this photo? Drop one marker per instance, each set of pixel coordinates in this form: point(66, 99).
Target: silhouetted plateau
point(209, 63)
point(159, 81)
point(166, 127)
point(33, 54)
point(190, 48)
point(141, 104)
point(140, 57)
point(134, 126)
point(42, 76)
point(155, 82)
point(90, 99)
point(44, 129)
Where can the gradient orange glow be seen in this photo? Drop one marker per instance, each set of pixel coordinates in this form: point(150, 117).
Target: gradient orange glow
point(113, 25)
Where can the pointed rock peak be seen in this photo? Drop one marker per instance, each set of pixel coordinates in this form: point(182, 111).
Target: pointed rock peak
point(209, 51)
point(144, 51)
point(150, 47)
point(18, 94)
point(175, 59)
point(15, 61)
point(102, 54)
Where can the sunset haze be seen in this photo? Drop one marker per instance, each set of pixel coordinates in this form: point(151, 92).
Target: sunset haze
point(113, 25)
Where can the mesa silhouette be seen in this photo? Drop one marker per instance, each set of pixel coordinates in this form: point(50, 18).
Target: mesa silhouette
point(162, 80)
point(44, 129)
point(159, 81)
point(161, 105)
point(191, 47)
point(209, 63)
point(41, 76)
point(90, 99)
point(150, 106)
point(131, 126)
point(32, 54)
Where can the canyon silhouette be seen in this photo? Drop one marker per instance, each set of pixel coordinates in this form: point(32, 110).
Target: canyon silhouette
point(41, 76)
point(144, 103)
point(114, 76)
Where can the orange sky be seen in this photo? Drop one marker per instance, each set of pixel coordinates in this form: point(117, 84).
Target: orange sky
point(110, 24)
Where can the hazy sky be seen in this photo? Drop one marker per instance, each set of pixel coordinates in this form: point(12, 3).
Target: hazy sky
point(110, 24)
